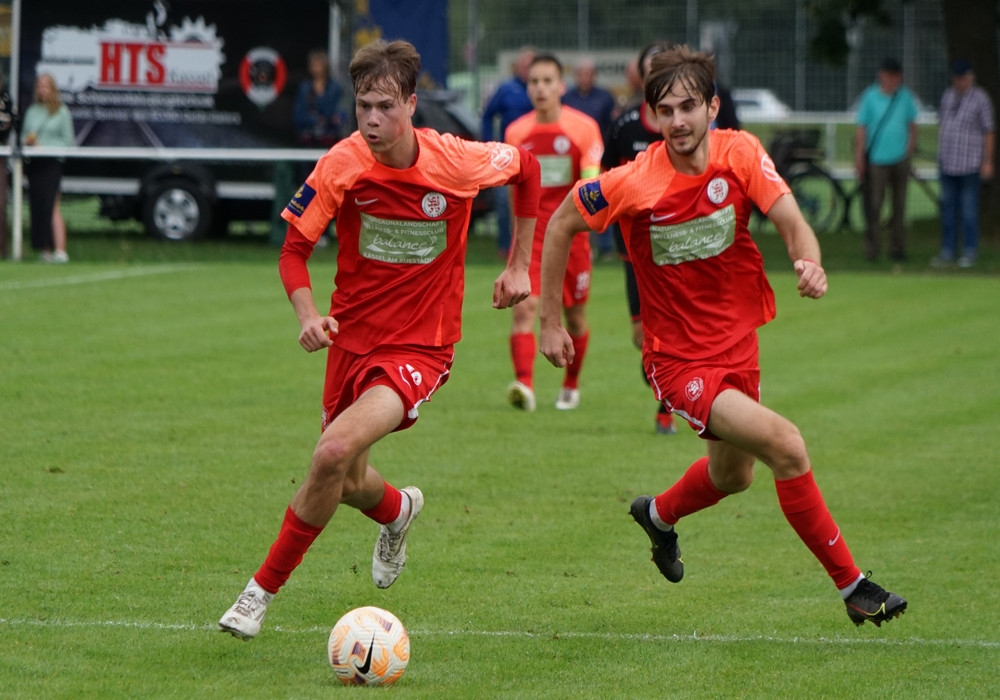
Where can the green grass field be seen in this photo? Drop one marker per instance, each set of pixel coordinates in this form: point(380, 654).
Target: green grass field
point(156, 415)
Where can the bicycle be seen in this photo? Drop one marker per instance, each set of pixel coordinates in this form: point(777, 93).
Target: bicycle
point(797, 157)
point(826, 205)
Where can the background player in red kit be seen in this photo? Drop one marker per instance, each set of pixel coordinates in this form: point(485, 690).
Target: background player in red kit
point(683, 208)
point(401, 198)
point(568, 146)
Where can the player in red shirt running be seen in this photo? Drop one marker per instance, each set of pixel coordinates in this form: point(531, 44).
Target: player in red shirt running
point(568, 146)
point(401, 198)
point(683, 207)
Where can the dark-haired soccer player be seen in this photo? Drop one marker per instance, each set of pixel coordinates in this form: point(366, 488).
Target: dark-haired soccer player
point(684, 207)
point(568, 145)
point(401, 198)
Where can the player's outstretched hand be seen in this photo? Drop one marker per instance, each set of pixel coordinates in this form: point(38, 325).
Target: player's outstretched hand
point(511, 287)
point(316, 333)
point(812, 279)
point(555, 343)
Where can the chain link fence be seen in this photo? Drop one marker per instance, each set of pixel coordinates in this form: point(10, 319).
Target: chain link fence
point(761, 46)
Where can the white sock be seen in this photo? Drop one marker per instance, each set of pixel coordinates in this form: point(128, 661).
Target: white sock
point(654, 515)
point(846, 592)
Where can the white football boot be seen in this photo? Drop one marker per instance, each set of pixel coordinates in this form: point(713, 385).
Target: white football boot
point(390, 548)
point(568, 399)
point(520, 395)
point(244, 618)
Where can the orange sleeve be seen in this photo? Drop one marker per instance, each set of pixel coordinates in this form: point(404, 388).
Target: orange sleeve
point(749, 158)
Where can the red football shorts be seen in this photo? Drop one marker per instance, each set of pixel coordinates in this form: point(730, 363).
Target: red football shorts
point(689, 387)
point(576, 283)
point(411, 371)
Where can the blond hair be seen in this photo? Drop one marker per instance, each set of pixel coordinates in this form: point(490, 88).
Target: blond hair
point(54, 100)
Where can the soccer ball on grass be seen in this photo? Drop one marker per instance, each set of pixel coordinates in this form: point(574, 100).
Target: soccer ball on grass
point(368, 646)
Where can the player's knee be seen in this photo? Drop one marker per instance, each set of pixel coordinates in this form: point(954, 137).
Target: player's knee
point(788, 457)
point(331, 458)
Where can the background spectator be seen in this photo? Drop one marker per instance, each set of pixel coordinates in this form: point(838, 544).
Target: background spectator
point(47, 122)
point(590, 98)
point(885, 139)
point(317, 113)
point(965, 155)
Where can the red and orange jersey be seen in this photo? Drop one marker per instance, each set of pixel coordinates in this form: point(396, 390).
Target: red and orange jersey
point(700, 276)
point(401, 234)
point(567, 149)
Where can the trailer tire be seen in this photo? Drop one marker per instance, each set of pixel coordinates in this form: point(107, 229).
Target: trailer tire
point(176, 209)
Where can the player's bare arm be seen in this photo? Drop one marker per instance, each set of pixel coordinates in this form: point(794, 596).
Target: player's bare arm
point(316, 329)
point(514, 285)
point(554, 341)
point(803, 247)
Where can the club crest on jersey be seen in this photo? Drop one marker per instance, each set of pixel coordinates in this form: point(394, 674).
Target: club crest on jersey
point(560, 145)
point(434, 204)
point(694, 388)
point(591, 197)
point(501, 156)
point(718, 190)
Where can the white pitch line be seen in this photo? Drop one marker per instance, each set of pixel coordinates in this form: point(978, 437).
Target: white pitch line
point(416, 632)
point(105, 276)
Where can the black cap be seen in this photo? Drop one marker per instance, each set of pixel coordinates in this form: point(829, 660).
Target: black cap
point(890, 65)
point(960, 66)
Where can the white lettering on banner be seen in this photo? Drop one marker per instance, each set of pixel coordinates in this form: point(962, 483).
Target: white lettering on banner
point(697, 239)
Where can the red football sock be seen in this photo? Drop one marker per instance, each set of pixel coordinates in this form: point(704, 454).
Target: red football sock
point(286, 553)
point(693, 492)
point(803, 506)
point(522, 352)
point(388, 508)
point(572, 380)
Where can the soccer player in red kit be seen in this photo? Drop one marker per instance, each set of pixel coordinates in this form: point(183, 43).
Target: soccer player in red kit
point(683, 207)
point(568, 145)
point(401, 198)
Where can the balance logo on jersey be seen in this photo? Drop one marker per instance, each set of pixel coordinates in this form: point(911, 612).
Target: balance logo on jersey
point(696, 239)
point(557, 171)
point(718, 190)
point(402, 241)
point(434, 204)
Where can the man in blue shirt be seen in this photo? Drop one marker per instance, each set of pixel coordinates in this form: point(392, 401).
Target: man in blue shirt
point(884, 142)
point(509, 101)
point(591, 99)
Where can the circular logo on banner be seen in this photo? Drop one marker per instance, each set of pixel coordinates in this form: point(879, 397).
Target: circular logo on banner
point(718, 190)
point(262, 75)
point(434, 204)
